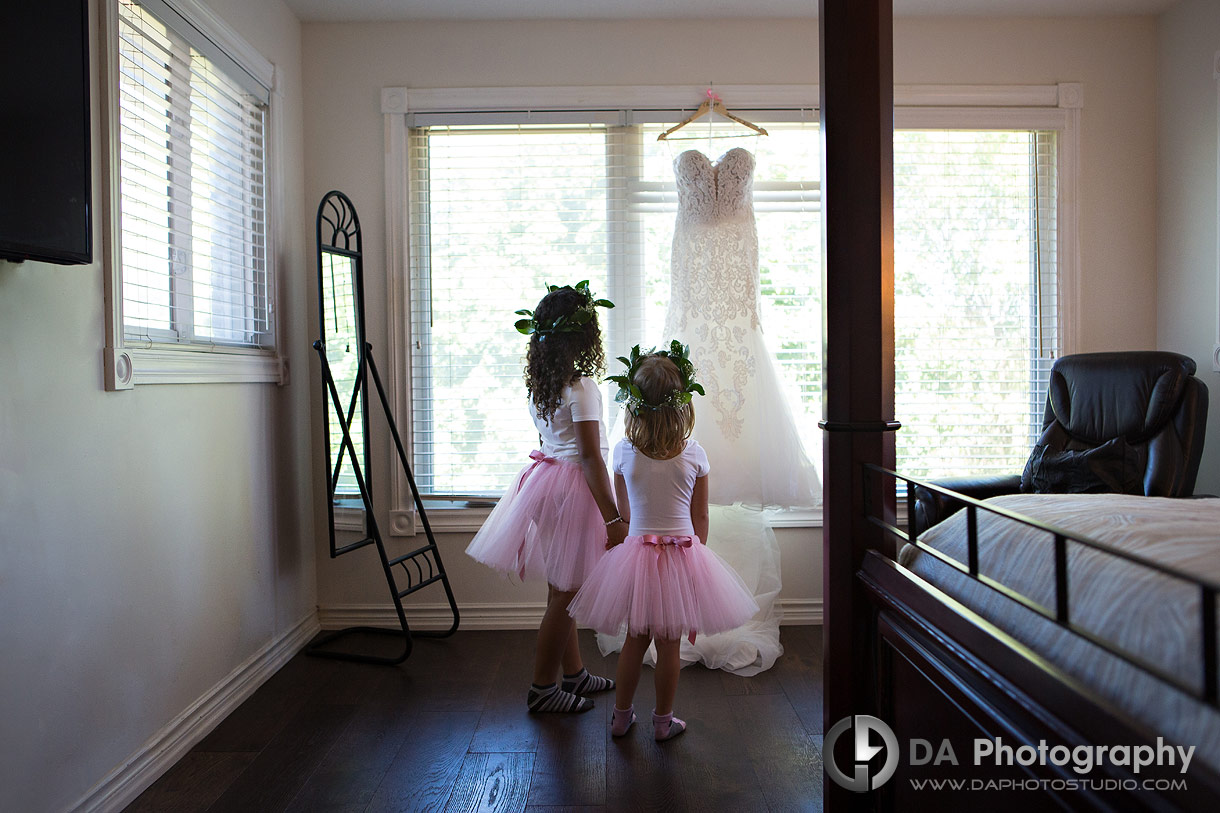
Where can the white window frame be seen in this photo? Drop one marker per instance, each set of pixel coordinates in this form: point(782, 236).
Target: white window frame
point(127, 363)
point(1035, 107)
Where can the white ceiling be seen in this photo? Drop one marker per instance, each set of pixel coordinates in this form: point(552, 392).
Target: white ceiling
point(380, 10)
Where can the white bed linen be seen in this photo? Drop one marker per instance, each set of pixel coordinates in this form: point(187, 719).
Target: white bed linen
point(1154, 617)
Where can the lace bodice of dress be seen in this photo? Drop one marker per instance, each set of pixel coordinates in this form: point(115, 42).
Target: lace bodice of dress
point(715, 248)
point(707, 192)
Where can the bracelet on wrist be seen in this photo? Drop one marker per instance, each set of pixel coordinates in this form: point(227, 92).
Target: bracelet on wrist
point(618, 518)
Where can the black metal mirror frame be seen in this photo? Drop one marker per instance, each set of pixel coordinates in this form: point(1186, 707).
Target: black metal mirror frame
point(337, 214)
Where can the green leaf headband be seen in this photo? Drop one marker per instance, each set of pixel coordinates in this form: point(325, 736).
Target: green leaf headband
point(572, 322)
point(630, 395)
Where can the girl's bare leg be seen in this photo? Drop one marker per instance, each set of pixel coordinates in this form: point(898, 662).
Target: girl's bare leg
point(627, 676)
point(665, 726)
point(571, 660)
point(555, 634)
point(669, 665)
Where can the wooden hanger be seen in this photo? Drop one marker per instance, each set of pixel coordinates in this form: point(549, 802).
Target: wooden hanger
point(712, 104)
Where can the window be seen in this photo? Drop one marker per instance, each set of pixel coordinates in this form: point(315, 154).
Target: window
point(190, 217)
point(975, 297)
point(498, 207)
point(498, 211)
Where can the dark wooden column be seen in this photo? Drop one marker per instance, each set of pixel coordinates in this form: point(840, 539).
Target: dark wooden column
point(857, 124)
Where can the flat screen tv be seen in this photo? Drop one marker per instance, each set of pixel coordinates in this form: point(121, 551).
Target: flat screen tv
point(45, 189)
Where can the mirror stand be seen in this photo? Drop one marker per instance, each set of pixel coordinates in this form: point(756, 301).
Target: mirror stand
point(347, 366)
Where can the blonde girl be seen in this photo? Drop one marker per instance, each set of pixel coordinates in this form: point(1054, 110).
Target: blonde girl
point(661, 583)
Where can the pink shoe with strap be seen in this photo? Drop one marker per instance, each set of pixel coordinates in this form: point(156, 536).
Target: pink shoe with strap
point(622, 720)
point(666, 726)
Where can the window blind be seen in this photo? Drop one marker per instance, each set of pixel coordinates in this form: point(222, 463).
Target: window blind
point(497, 211)
point(192, 192)
point(976, 294)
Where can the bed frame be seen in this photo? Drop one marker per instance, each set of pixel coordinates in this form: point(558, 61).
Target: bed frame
point(941, 671)
point(895, 646)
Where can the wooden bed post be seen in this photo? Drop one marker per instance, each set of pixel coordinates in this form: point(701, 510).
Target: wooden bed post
point(857, 125)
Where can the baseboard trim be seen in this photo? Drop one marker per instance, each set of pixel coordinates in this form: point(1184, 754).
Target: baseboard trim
point(499, 615)
point(134, 775)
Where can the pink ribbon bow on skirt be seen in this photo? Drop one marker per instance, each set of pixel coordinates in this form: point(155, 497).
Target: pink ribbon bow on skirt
point(675, 541)
point(538, 457)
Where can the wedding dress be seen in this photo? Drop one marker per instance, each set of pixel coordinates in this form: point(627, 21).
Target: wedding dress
point(743, 423)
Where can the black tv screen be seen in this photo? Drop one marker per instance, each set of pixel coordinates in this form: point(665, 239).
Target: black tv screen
point(45, 190)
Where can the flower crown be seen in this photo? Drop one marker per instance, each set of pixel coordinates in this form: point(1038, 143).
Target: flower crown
point(572, 322)
point(630, 395)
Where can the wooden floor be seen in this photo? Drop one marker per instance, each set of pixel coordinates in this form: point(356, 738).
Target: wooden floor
point(447, 730)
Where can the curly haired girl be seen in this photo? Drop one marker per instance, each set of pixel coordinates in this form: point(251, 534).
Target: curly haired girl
point(559, 515)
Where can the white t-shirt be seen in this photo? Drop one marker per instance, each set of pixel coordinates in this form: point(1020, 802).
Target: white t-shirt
point(660, 490)
point(581, 401)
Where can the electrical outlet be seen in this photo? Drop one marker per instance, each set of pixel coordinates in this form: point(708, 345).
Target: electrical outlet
point(1216, 358)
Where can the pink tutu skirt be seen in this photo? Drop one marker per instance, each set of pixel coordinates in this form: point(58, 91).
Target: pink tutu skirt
point(663, 586)
point(547, 526)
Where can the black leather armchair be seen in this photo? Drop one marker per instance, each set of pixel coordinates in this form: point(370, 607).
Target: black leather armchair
point(1114, 423)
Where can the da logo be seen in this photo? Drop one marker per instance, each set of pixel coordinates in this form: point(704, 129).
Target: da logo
point(864, 752)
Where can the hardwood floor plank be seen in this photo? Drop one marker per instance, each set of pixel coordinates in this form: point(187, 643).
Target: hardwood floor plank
point(506, 725)
point(642, 774)
point(799, 672)
point(278, 772)
point(448, 729)
point(715, 776)
point(785, 757)
point(762, 683)
point(570, 759)
point(350, 683)
point(260, 718)
point(354, 767)
point(426, 766)
point(492, 783)
point(449, 674)
point(194, 783)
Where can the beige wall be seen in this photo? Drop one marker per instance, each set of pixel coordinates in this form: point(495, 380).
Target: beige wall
point(1189, 37)
point(153, 540)
point(346, 65)
point(1115, 59)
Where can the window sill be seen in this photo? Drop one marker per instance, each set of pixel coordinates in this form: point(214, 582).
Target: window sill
point(794, 517)
point(448, 517)
point(128, 367)
point(445, 516)
point(349, 515)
